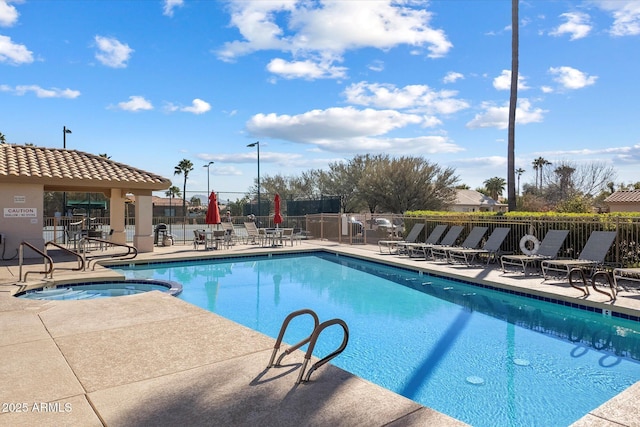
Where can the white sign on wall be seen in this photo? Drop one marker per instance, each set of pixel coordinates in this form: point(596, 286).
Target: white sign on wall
point(19, 199)
point(20, 212)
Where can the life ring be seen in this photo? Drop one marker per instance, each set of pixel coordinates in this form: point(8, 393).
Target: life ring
point(529, 245)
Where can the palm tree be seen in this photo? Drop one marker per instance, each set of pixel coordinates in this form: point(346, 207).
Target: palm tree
point(519, 172)
point(172, 192)
point(184, 167)
point(513, 99)
point(3, 139)
point(495, 187)
point(104, 156)
point(538, 165)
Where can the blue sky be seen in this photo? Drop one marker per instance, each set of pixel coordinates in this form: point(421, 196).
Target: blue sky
point(150, 82)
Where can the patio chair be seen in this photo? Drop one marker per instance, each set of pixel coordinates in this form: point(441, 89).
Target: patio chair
point(548, 249)
point(230, 237)
point(289, 236)
point(432, 239)
point(199, 238)
point(392, 245)
point(471, 242)
point(490, 248)
point(253, 235)
point(592, 255)
point(448, 240)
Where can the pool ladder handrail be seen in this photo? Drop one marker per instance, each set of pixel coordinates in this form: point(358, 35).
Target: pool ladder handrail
point(311, 339)
point(594, 278)
point(67, 250)
point(48, 262)
point(131, 253)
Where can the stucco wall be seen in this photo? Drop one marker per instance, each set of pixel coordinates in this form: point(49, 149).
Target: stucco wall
point(21, 218)
point(624, 207)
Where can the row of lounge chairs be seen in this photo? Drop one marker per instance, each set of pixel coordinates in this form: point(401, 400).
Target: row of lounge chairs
point(437, 247)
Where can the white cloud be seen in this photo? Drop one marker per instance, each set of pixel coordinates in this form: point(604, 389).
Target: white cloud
point(570, 78)
point(626, 15)
point(577, 25)
point(376, 65)
point(135, 103)
point(503, 81)
point(112, 52)
point(8, 13)
point(417, 97)
point(44, 93)
point(452, 77)
point(498, 116)
point(546, 89)
point(13, 53)
point(349, 130)
point(381, 24)
point(170, 5)
point(198, 106)
point(305, 69)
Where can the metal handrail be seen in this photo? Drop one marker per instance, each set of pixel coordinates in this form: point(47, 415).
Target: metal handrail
point(69, 251)
point(132, 251)
point(312, 343)
point(283, 328)
point(47, 258)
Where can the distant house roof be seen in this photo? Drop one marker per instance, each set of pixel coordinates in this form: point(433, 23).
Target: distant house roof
point(475, 198)
point(624, 196)
point(71, 170)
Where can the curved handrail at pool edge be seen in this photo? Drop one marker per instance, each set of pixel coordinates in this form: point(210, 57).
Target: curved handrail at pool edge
point(47, 258)
point(69, 251)
point(132, 251)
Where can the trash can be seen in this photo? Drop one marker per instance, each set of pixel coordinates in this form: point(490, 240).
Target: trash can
point(160, 233)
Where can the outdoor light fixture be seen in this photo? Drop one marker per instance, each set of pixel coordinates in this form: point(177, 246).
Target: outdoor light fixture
point(257, 145)
point(207, 166)
point(65, 131)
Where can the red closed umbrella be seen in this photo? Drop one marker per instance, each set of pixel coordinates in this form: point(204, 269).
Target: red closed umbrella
point(213, 212)
point(277, 218)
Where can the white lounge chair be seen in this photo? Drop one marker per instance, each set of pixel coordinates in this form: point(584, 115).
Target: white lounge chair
point(471, 242)
point(415, 248)
point(392, 245)
point(490, 248)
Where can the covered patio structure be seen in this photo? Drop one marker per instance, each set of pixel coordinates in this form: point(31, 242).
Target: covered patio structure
point(27, 172)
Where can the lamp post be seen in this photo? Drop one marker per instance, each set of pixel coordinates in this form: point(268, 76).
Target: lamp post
point(207, 166)
point(65, 131)
point(257, 145)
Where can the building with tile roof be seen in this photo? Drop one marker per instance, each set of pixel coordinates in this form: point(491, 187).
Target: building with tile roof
point(26, 172)
point(474, 201)
point(624, 201)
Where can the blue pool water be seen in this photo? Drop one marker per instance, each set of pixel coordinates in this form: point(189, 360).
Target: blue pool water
point(101, 289)
point(487, 358)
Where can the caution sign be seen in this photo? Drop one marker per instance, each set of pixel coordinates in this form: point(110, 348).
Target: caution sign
point(20, 212)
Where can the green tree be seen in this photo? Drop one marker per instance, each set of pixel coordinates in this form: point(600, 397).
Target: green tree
point(3, 139)
point(406, 183)
point(183, 168)
point(513, 99)
point(495, 187)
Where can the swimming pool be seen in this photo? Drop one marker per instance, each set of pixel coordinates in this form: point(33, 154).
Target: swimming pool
point(487, 358)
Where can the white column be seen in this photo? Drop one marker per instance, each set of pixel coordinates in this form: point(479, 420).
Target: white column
point(143, 238)
point(116, 216)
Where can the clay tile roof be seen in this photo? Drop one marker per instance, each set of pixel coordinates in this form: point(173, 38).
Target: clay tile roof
point(19, 163)
point(624, 196)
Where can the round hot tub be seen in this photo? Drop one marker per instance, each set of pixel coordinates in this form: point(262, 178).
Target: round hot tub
point(101, 289)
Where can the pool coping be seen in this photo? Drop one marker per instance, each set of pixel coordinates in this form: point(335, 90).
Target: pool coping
point(622, 409)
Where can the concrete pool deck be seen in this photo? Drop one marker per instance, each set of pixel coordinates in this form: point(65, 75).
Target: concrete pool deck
point(155, 360)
